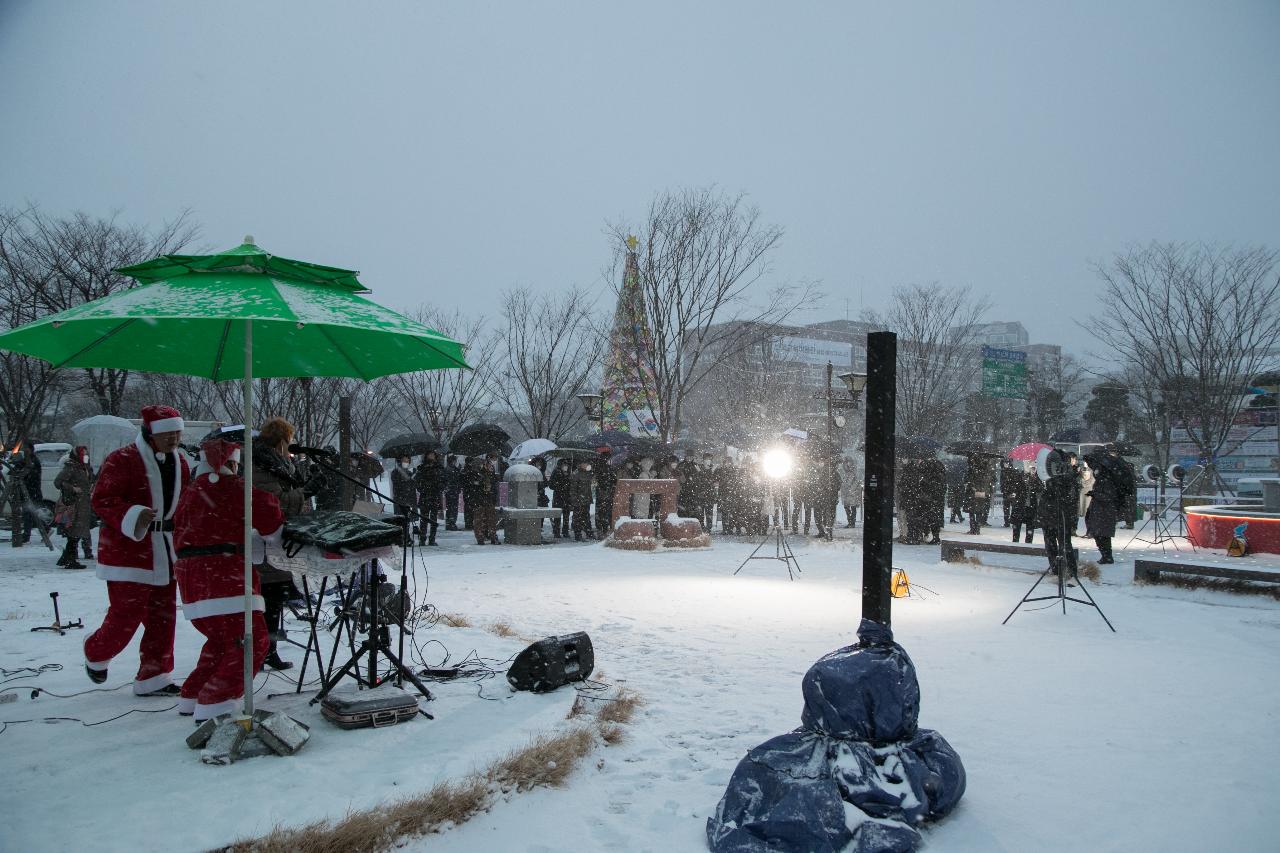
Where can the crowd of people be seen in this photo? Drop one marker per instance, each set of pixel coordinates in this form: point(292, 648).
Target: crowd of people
point(168, 531)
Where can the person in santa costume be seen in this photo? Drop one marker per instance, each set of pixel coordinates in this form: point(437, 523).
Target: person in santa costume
point(138, 489)
point(210, 569)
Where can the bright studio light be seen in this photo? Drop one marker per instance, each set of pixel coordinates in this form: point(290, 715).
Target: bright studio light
point(776, 463)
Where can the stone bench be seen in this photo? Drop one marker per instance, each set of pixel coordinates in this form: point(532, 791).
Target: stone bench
point(953, 551)
point(1149, 571)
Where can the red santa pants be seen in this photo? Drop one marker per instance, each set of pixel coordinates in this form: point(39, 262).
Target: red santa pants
point(132, 605)
point(217, 682)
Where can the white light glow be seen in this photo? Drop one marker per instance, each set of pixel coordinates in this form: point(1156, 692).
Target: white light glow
point(776, 463)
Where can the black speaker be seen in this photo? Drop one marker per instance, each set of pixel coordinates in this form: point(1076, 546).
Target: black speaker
point(552, 662)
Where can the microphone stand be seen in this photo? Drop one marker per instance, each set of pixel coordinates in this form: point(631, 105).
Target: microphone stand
point(374, 640)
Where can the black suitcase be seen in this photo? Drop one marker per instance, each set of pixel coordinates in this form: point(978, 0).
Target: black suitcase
point(384, 705)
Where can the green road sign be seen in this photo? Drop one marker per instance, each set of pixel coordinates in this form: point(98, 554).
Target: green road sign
point(1004, 373)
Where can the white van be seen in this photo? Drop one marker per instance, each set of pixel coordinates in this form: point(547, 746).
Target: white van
point(52, 454)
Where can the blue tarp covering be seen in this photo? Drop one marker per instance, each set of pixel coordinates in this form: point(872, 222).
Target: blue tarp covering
point(859, 775)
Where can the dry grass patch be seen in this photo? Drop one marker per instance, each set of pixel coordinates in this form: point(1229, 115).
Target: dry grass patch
point(1089, 570)
point(454, 620)
point(547, 762)
point(502, 629)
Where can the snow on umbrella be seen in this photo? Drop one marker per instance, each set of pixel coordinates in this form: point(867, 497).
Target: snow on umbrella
point(1027, 452)
point(409, 444)
point(236, 315)
point(479, 440)
point(532, 447)
point(103, 434)
point(614, 439)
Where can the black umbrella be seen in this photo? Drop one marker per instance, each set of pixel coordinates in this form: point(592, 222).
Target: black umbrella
point(480, 439)
point(614, 439)
point(1078, 435)
point(409, 444)
point(973, 448)
point(912, 448)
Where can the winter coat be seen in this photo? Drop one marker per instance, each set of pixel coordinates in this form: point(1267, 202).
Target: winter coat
point(429, 481)
point(978, 484)
point(212, 514)
point(480, 486)
point(851, 486)
point(1104, 507)
point(403, 491)
point(559, 482)
point(277, 475)
point(1023, 497)
point(580, 488)
point(1084, 487)
point(128, 483)
point(933, 487)
point(75, 482)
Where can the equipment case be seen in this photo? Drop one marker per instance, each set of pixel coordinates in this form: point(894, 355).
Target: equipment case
point(384, 705)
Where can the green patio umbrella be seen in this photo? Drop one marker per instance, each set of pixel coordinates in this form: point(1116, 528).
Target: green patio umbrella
point(239, 314)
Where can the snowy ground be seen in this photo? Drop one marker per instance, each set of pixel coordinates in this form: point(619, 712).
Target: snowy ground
point(1159, 737)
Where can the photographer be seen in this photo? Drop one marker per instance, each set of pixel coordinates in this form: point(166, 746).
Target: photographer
point(75, 482)
point(275, 473)
point(24, 475)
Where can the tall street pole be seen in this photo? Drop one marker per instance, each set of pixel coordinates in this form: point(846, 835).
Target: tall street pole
point(877, 532)
point(831, 424)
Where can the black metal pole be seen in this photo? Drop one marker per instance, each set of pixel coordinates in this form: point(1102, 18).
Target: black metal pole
point(877, 522)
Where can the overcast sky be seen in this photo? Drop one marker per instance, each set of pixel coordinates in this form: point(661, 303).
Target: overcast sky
point(450, 151)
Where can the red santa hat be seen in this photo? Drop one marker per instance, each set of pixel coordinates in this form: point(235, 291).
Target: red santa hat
point(216, 453)
point(161, 419)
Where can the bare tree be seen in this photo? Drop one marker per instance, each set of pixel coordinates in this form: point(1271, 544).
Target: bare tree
point(549, 351)
point(938, 353)
point(701, 253)
point(64, 262)
point(1201, 320)
point(441, 402)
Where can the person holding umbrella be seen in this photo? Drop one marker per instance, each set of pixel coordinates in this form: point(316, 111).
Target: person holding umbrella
point(559, 482)
point(480, 491)
point(978, 485)
point(404, 494)
point(137, 492)
point(606, 485)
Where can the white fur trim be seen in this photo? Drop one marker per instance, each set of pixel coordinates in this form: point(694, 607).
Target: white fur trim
point(161, 543)
point(132, 575)
point(235, 455)
point(96, 665)
point(208, 712)
point(129, 525)
point(155, 682)
point(227, 606)
point(166, 425)
point(186, 706)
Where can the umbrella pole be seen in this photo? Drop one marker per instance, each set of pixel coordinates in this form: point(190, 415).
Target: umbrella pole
point(246, 465)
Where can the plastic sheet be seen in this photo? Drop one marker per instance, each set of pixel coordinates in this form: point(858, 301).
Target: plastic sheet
point(859, 776)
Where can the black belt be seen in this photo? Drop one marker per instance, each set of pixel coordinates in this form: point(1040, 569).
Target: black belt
point(165, 526)
point(208, 550)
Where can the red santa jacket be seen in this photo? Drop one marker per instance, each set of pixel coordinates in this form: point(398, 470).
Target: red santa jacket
point(128, 483)
point(211, 516)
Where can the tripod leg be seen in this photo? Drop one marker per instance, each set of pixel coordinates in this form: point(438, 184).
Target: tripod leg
point(1027, 596)
point(763, 542)
point(409, 674)
point(351, 666)
point(1097, 608)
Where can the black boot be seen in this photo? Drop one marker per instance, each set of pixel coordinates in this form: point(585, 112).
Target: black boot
point(88, 549)
point(68, 553)
point(274, 660)
point(1028, 536)
point(97, 676)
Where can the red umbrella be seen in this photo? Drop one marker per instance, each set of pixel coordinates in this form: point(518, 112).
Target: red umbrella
point(1027, 452)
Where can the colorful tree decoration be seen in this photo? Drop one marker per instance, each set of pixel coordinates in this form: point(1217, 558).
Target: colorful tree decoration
point(628, 370)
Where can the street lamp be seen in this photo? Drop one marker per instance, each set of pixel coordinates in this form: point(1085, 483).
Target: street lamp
point(593, 405)
point(854, 383)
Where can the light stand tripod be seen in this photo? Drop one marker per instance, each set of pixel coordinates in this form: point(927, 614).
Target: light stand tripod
point(58, 625)
point(1162, 528)
point(781, 551)
point(1064, 566)
point(378, 639)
